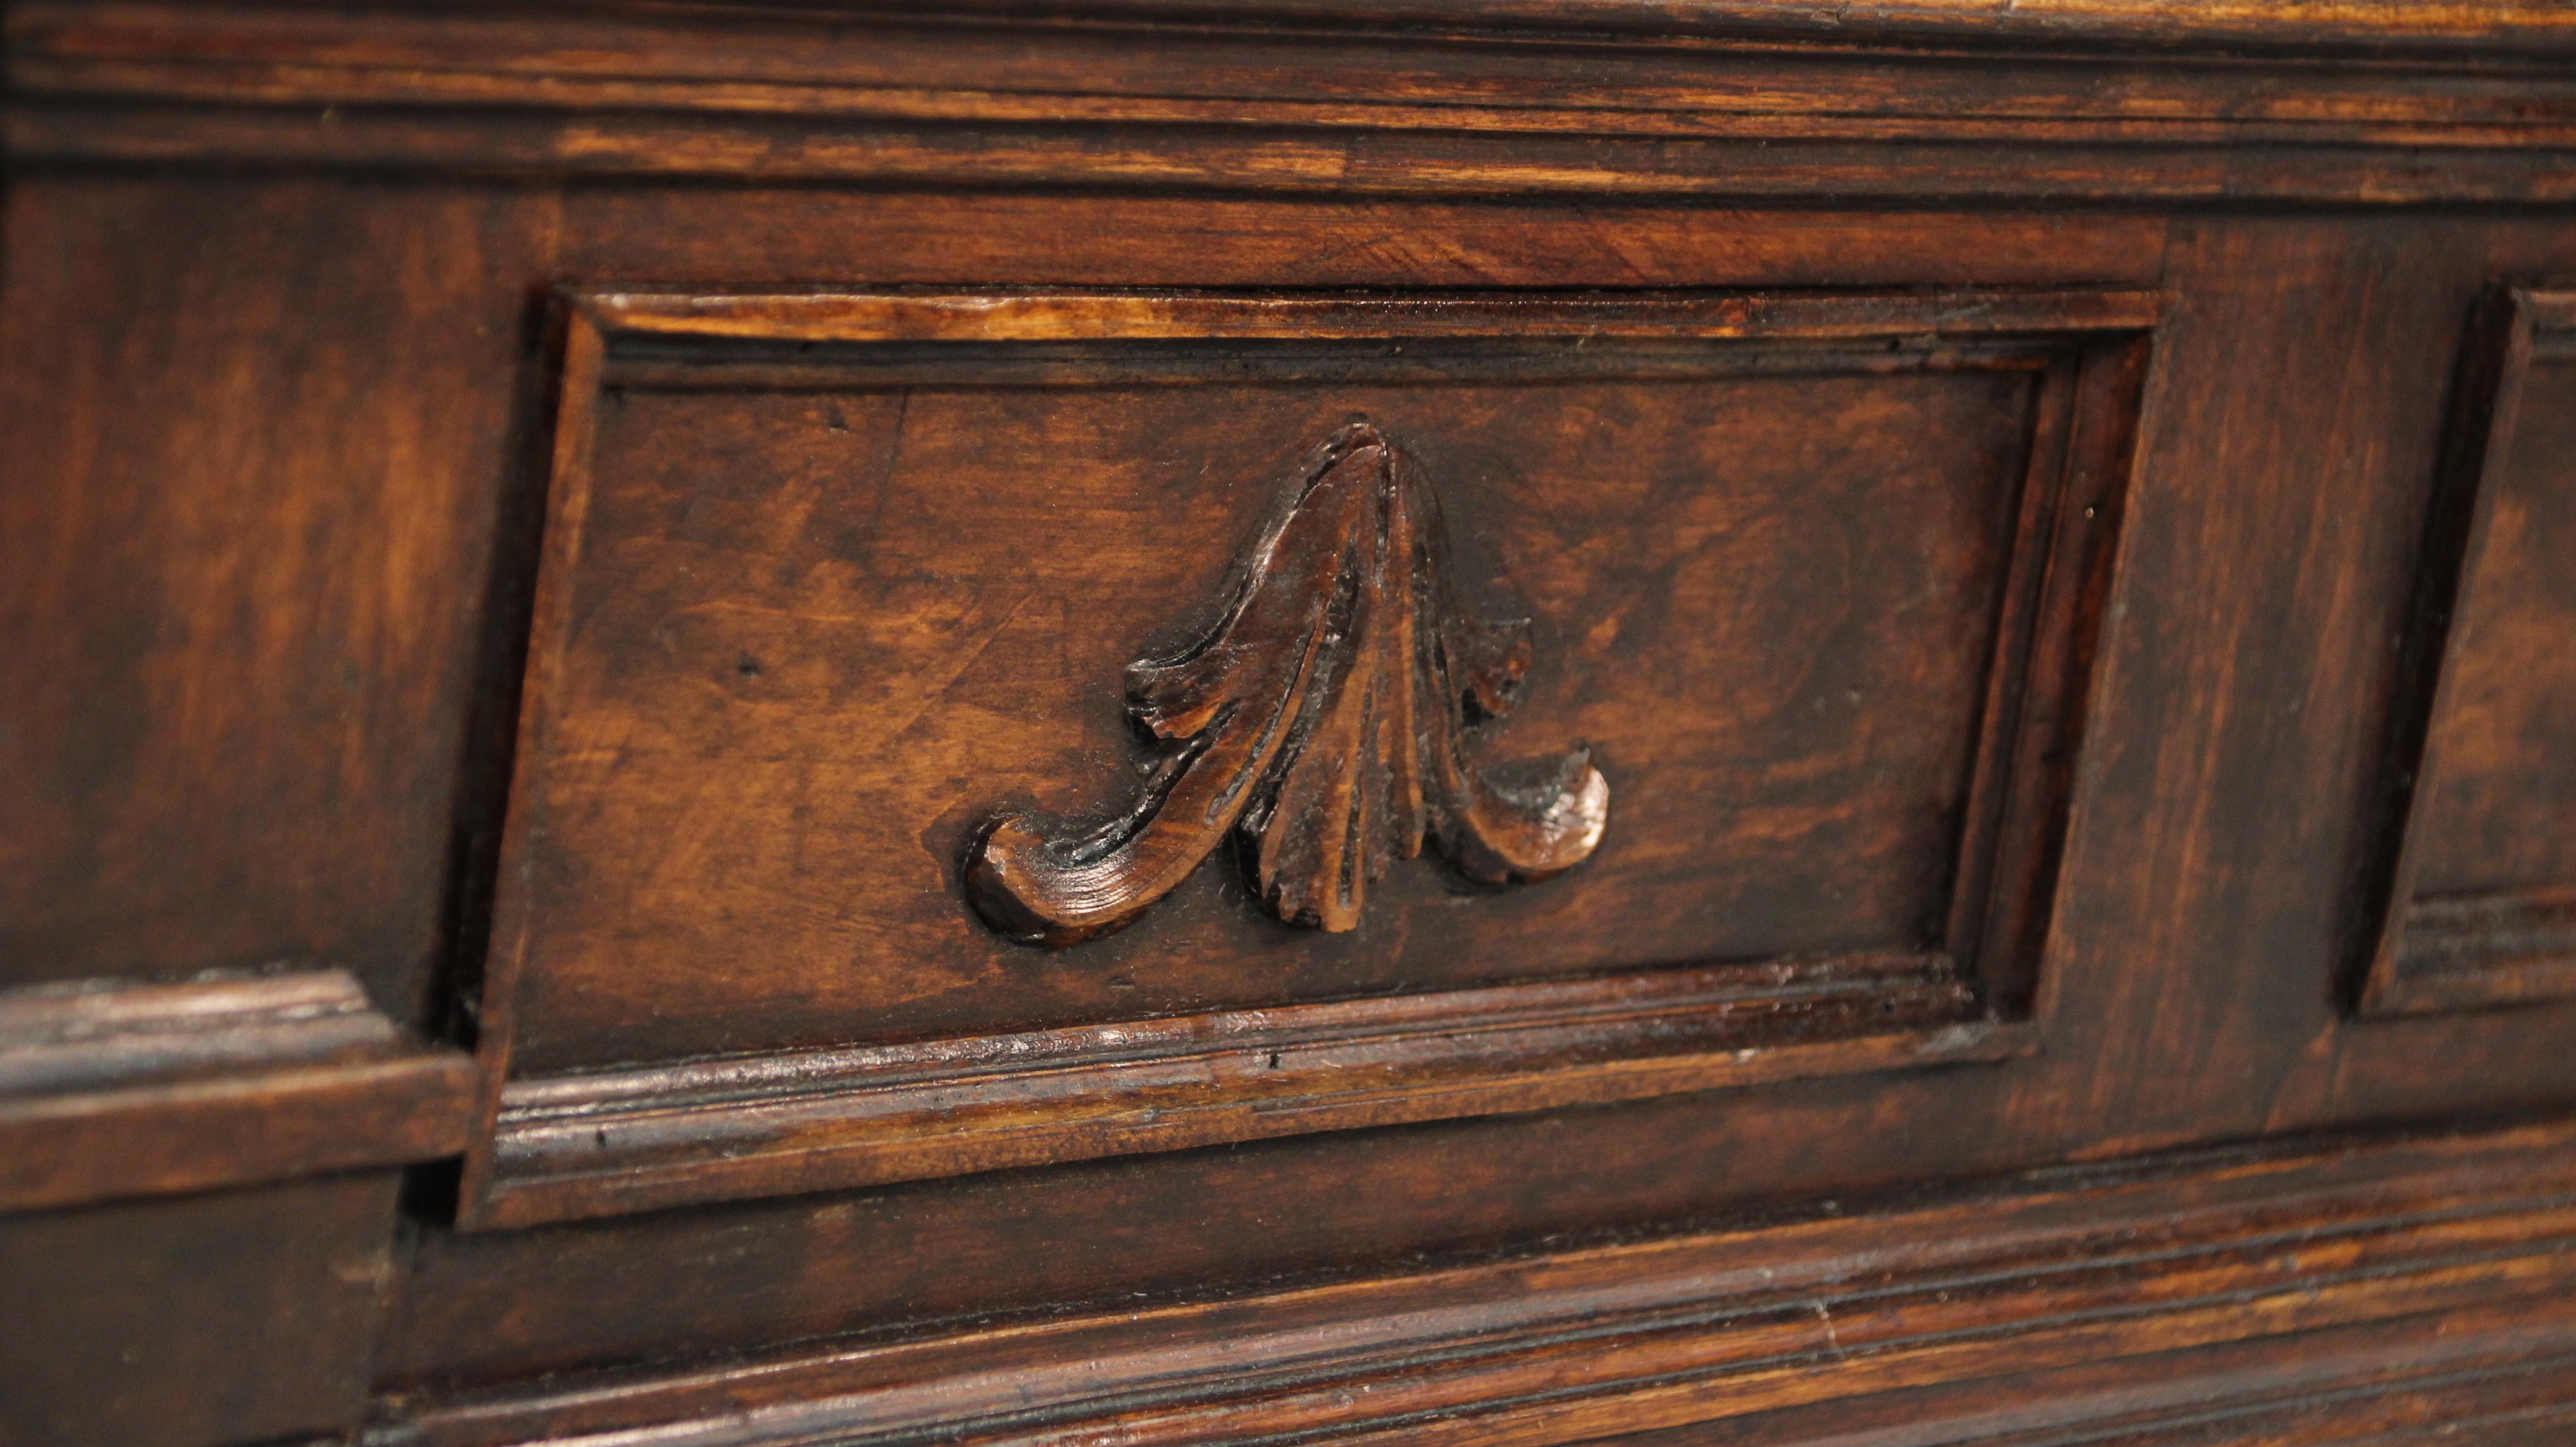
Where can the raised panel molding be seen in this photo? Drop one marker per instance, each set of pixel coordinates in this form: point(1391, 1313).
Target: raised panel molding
point(644, 692)
point(2478, 905)
point(112, 1089)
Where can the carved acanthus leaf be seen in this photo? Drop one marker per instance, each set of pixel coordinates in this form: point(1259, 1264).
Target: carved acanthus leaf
point(1323, 720)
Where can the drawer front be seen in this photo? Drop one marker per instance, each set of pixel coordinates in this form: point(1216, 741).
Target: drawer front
point(968, 729)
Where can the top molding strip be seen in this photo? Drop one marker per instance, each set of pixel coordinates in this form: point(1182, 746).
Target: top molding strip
point(2514, 28)
point(2040, 100)
point(2515, 25)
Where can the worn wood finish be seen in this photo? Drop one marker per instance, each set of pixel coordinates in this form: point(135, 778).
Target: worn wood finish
point(2206, 831)
point(2514, 28)
point(1484, 75)
point(602, 1142)
point(250, 536)
point(2482, 884)
point(1741, 852)
point(1595, 98)
point(276, 387)
point(110, 1091)
point(2375, 1384)
point(773, 239)
point(183, 1321)
point(2072, 1272)
point(499, 1306)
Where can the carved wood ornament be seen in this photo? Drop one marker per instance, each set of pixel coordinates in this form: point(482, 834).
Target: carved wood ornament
point(1324, 720)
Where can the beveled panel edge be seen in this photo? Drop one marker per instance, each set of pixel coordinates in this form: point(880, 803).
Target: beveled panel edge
point(595, 1144)
point(2458, 952)
point(2483, 953)
point(1075, 314)
point(113, 1091)
point(2065, 529)
point(2183, 1287)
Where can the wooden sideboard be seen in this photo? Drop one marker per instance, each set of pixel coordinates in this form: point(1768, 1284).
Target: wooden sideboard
point(1139, 723)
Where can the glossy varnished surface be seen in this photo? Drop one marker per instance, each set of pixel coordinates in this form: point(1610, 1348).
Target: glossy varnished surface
point(1793, 1331)
point(251, 500)
point(1827, 572)
point(112, 1090)
point(1458, 97)
point(2204, 916)
point(233, 1316)
point(279, 396)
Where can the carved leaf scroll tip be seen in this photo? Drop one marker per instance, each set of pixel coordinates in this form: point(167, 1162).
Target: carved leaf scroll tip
point(1322, 721)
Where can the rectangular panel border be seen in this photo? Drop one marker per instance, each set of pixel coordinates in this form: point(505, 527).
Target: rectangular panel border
point(784, 1122)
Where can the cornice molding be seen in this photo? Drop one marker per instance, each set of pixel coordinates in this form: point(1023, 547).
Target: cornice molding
point(1936, 99)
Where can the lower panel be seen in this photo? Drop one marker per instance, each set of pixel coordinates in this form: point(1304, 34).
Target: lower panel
point(2072, 1305)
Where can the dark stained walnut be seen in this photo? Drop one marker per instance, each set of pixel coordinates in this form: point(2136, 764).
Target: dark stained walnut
point(535, 540)
point(2481, 905)
point(1323, 719)
point(829, 576)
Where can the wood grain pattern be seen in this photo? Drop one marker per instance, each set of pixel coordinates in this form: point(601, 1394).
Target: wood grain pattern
point(188, 1321)
point(246, 579)
point(604, 972)
point(110, 1091)
point(270, 366)
point(783, 238)
point(2204, 905)
point(605, 1142)
point(1095, 65)
point(1594, 99)
point(1724, 1328)
point(2375, 1384)
point(2481, 893)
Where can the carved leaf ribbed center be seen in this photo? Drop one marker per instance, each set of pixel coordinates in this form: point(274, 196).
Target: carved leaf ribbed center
point(1323, 720)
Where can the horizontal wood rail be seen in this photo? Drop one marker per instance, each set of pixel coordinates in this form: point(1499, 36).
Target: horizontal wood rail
point(2074, 1305)
point(2105, 98)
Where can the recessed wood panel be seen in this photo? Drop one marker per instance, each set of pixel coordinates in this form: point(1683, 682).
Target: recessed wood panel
point(833, 582)
point(2485, 899)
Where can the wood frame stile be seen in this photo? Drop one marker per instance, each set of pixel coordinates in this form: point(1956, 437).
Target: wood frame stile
point(659, 1135)
point(2489, 949)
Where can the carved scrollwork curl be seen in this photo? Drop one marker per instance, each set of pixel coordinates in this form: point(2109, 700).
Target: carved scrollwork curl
point(1323, 720)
